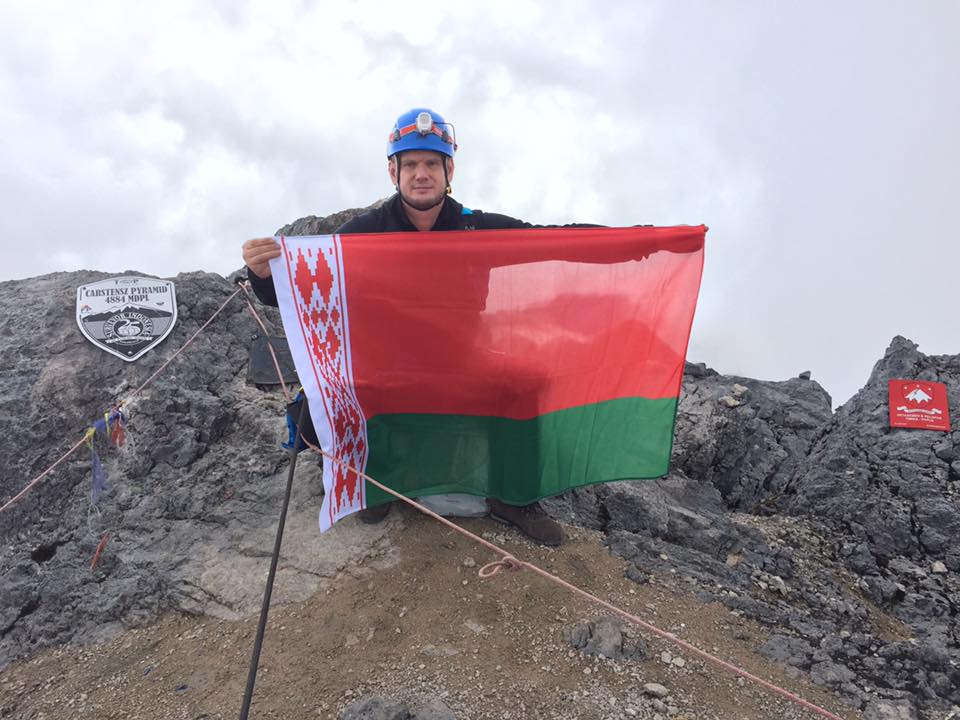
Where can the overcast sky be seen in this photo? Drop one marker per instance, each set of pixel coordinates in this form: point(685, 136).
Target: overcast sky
point(818, 140)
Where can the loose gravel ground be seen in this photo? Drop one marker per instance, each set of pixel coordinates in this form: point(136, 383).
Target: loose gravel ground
point(428, 628)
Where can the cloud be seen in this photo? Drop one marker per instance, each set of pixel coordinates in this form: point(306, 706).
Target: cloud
point(816, 141)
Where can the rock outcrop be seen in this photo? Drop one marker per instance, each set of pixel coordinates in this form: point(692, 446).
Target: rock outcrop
point(194, 494)
point(839, 521)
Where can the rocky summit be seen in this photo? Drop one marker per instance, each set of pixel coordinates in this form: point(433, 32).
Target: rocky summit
point(835, 532)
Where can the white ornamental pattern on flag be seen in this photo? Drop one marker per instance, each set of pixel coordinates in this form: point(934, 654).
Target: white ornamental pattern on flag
point(317, 284)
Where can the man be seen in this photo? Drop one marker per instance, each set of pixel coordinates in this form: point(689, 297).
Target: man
point(420, 164)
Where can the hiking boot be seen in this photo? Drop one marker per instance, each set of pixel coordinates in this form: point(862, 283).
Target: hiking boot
point(530, 519)
point(375, 514)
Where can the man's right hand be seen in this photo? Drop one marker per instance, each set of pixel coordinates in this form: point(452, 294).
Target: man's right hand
point(258, 253)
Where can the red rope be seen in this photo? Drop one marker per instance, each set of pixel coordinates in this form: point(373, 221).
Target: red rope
point(100, 547)
point(182, 348)
point(514, 564)
point(132, 395)
point(42, 475)
point(509, 561)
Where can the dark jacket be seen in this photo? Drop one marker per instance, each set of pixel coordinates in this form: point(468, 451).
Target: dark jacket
point(390, 217)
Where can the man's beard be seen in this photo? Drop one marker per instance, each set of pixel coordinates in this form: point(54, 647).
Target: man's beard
point(426, 203)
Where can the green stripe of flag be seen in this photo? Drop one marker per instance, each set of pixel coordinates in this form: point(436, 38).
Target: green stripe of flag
point(520, 461)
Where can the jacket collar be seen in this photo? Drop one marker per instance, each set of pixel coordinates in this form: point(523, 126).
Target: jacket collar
point(448, 219)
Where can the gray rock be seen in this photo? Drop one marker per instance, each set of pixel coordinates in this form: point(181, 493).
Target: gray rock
point(432, 650)
point(789, 650)
point(889, 490)
point(748, 451)
point(434, 710)
point(698, 370)
point(656, 690)
point(374, 707)
point(831, 674)
point(605, 637)
point(314, 225)
point(675, 508)
point(885, 710)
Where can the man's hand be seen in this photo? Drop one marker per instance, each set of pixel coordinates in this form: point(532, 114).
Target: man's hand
point(258, 253)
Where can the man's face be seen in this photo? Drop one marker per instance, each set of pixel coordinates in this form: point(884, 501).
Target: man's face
point(422, 182)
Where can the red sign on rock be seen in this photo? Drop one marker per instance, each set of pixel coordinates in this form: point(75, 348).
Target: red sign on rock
point(919, 404)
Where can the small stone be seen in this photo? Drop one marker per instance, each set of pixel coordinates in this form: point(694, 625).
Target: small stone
point(655, 690)
point(433, 710)
point(586, 671)
point(679, 662)
point(729, 401)
point(666, 658)
point(888, 710)
point(938, 568)
point(740, 390)
point(805, 375)
point(374, 707)
point(431, 650)
point(777, 583)
point(469, 562)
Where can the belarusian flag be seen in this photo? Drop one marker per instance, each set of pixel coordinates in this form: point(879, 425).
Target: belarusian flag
point(505, 363)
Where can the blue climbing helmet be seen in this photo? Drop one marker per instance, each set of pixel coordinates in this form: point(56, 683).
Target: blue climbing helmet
point(422, 129)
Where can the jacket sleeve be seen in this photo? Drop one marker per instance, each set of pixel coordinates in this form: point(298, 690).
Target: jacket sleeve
point(263, 288)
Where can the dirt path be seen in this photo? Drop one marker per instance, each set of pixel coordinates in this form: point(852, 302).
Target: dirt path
point(423, 629)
